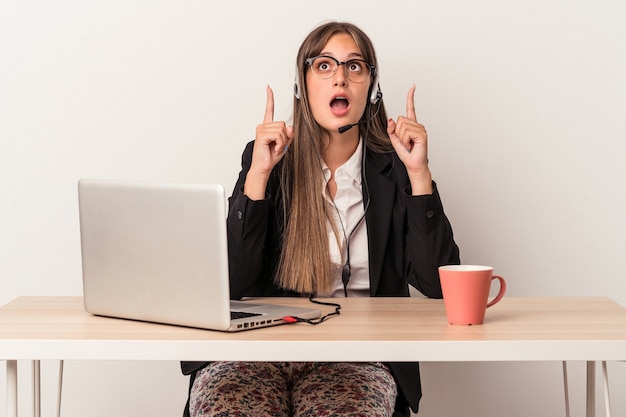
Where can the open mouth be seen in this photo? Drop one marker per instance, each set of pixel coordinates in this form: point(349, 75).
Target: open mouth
point(339, 104)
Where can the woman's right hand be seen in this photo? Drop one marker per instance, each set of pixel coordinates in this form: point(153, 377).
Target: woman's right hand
point(271, 143)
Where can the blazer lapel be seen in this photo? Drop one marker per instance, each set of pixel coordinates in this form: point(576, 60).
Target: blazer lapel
point(378, 217)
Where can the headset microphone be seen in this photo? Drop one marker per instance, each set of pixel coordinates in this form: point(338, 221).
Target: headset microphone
point(345, 128)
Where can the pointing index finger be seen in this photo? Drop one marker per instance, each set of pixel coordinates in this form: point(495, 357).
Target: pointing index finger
point(410, 104)
point(269, 106)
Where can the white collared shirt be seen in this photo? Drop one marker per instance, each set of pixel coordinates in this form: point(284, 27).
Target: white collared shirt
point(350, 223)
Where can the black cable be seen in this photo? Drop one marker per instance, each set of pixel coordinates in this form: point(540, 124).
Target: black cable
point(294, 319)
point(346, 270)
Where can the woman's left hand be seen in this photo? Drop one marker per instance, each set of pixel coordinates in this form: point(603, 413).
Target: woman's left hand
point(410, 140)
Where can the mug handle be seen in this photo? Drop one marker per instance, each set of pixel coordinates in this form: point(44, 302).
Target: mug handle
point(500, 293)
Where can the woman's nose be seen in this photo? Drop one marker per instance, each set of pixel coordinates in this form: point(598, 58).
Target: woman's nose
point(340, 78)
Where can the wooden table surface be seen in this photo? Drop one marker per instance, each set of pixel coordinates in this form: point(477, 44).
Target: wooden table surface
point(381, 329)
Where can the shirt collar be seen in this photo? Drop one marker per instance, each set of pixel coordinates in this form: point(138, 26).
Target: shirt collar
point(352, 167)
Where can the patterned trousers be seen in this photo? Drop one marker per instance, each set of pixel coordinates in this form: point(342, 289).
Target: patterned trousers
point(293, 389)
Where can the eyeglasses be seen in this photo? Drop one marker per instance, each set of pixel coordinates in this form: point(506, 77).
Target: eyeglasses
point(324, 67)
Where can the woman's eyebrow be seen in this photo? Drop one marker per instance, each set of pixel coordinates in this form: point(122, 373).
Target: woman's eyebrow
point(350, 55)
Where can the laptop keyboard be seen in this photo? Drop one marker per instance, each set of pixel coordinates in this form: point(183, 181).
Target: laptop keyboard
point(242, 315)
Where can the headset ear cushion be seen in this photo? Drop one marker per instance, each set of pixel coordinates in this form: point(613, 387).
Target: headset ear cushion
point(376, 94)
point(296, 85)
point(296, 89)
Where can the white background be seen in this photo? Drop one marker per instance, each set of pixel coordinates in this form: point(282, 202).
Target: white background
point(524, 102)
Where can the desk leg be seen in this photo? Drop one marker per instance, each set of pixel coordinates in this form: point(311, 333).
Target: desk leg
point(11, 388)
point(591, 389)
point(607, 392)
point(566, 389)
point(60, 389)
point(36, 388)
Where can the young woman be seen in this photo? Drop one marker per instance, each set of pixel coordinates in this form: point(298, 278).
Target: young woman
point(342, 203)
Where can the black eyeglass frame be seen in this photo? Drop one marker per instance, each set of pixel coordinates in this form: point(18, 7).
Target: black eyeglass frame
point(372, 68)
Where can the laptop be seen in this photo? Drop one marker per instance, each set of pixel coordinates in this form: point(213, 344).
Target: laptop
point(158, 252)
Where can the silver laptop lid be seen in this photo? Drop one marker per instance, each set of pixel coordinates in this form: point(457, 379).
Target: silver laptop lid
point(155, 252)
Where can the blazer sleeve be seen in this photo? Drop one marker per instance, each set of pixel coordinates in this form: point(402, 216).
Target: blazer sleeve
point(253, 238)
point(429, 242)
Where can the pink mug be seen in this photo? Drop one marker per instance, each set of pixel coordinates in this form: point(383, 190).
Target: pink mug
point(466, 292)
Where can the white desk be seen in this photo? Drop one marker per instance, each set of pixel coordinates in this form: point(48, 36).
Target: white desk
point(368, 329)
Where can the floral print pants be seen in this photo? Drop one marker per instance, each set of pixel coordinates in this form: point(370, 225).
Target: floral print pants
point(293, 389)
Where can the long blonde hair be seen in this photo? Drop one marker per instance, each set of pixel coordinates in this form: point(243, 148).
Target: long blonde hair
point(304, 264)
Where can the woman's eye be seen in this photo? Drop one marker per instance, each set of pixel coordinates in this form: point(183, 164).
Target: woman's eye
point(355, 66)
point(323, 65)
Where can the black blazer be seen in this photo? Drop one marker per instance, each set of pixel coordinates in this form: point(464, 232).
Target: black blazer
point(409, 237)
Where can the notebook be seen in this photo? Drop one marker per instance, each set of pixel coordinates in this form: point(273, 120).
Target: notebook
point(158, 252)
